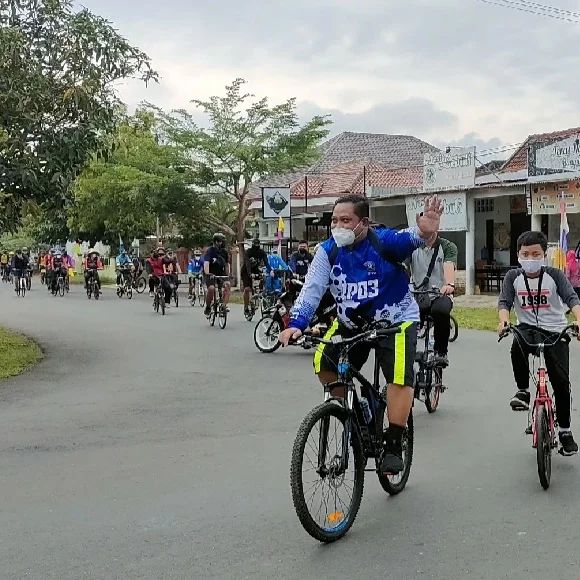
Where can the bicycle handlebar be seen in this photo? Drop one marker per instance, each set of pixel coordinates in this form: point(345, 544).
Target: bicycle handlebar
point(571, 329)
point(370, 335)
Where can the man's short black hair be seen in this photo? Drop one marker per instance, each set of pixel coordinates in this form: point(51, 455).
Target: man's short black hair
point(533, 238)
point(303, 242)
point(361, 204)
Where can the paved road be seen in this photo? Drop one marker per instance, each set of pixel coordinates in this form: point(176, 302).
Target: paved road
point(149, 447)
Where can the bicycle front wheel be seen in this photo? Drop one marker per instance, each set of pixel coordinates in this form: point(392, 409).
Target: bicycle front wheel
point(266, 334)
point(141, 285)
point(327, 473)
point(433, 392)
point(23, 288)
point(61, 289)
point(394, 484)
point(454, 330)
point(222, 316)
point(543, 447)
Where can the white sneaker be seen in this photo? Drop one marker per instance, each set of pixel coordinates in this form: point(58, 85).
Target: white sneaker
point(151, 294)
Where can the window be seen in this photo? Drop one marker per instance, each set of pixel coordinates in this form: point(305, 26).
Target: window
point(484, 205)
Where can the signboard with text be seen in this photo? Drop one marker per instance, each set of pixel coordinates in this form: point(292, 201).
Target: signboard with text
point(449, 171)
point(454, 218)
point(548, 202)
point(557, 159)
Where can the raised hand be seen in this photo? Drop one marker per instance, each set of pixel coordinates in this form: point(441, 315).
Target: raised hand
point(429, 220)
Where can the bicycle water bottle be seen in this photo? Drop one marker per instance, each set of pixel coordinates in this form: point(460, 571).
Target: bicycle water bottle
point(366, 409)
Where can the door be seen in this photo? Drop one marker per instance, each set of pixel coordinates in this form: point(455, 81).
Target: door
point(519, 223)
point(489, 235)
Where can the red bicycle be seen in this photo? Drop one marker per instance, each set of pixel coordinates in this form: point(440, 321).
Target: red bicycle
point(542, 424)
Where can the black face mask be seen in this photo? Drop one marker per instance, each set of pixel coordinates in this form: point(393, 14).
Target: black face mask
point(302, 251)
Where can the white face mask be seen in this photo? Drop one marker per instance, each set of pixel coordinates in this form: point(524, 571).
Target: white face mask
point(532, 266)
point(343, 236)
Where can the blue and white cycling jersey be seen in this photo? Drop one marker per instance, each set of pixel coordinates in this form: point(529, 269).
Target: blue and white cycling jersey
point(195, 265)
point(361, 281)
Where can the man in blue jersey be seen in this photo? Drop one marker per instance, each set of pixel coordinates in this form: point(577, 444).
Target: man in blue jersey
point(194, 270)
point(361, 267)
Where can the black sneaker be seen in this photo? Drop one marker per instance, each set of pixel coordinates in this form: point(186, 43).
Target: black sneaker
point(207, 310)
point(392, 462)
point(569, 446)
point(520, 401)
point(440, 360)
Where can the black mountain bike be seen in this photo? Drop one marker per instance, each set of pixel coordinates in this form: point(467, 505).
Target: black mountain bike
point(218, 309)
point(93, 286)
point(428, 375)
point(335, 441)
point(159, 298)
point(125, 286)
point(255, 298)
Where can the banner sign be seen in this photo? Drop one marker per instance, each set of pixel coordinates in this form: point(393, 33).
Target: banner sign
point(548, 202)
point(559, 159)
point(445, 171)
point(276, 202)
point(454, 218)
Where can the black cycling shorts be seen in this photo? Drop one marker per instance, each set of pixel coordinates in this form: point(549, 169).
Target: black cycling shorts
point(396, 353)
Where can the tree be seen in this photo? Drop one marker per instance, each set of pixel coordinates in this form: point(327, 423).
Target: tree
point(140, 182)
point(58, 70)
point(245, 140)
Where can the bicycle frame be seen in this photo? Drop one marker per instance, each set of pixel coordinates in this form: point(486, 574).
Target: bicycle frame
point(370, 434)
point(543, 399)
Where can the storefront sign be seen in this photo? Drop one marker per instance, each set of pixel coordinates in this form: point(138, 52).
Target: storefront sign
point(383, 192)
point(276, 202)
point(445, 171)
point(560, 159)
point(454, 218)
point(548, 202)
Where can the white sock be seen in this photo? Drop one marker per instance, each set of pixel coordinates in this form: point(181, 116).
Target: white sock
point(564, 430)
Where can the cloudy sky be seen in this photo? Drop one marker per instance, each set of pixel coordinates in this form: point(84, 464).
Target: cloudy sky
point(447, 71)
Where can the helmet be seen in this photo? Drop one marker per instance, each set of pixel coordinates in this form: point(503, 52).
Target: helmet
point(11, 254)
point(160, 249)
point(256, 242)
point(219, 237)
point(25, 250)
point(92, 251)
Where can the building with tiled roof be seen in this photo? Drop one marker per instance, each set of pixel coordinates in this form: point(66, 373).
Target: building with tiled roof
point(349, 163)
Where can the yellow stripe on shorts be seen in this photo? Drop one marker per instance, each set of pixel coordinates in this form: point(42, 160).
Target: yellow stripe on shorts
point(400, 354)
point(318, 354)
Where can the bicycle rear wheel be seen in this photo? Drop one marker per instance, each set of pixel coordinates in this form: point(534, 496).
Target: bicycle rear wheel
point(454, 330)
point(212, 314)
point(325, 492)
point(176, 299)
point(162, 305)
point(544, 446)
point(129, 292)
point(17, 287)
point(394, 484)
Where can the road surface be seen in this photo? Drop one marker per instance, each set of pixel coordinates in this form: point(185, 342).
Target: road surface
point(150, 447)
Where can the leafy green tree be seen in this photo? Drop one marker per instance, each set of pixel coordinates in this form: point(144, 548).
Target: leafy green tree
point(245, 140)
point(141, 181)
point(58, 70)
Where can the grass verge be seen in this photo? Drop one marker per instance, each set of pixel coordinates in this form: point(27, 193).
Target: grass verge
point(17, 353)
